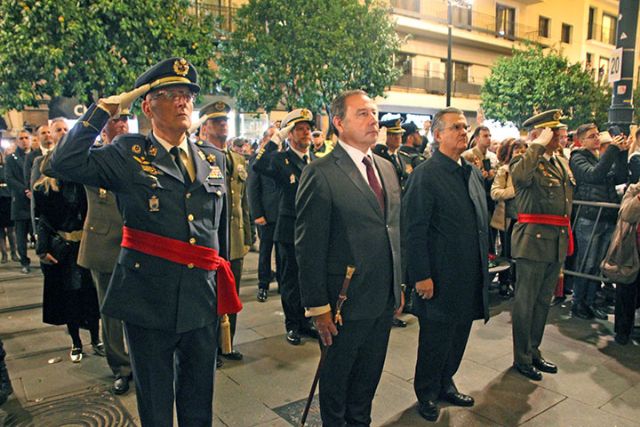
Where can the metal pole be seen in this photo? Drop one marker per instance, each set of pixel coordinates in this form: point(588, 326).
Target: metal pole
point(621, 110)
point(450, 41)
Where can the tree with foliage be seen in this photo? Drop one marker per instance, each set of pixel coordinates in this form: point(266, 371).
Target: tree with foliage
point(91, 48)
point(300, 53)
point(531, 81)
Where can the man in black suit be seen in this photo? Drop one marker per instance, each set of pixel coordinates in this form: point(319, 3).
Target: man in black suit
point(390, 149)
point(348, 208)
point(263, 204)
point(285, 168)
point(444, 230)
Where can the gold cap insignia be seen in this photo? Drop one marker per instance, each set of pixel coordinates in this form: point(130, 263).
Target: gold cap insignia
point(181, 67)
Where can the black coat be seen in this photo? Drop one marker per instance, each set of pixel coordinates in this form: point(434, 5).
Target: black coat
point(263, 195)
point(285, 168)
point(444, 231)
point(634, 169)
point(14, 175)
point(399, 164)
point(596, 179)
point(28, 165)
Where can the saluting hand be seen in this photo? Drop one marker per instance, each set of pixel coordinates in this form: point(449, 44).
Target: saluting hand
point(326, 328)
point(424, 288)
point(282, 134)
point(544, 138)
point(116, 103)
point(194, 127)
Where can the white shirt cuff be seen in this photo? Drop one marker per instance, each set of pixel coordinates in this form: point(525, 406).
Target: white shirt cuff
point(316, 311)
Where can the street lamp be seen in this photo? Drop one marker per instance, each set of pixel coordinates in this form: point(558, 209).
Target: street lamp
point(450, 4)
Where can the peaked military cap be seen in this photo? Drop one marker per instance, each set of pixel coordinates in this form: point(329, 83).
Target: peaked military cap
point(410, 128)
point(548, 119)
point(216, 110)
point(170, 72)
point(296, 116)
point(393, 125)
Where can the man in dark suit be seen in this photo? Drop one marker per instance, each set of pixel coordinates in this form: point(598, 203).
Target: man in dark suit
point(285, 168)
point(444, 229)
point(348, 207)
point(99, 248)
point(169, 282)
point(20, 196)
point(263, 204)
point(390, 149)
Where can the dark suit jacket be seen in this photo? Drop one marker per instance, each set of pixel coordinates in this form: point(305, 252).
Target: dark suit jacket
point(285, 168)
point(340, 223)
point(263, 195)
point(399, 165)
point(148, 291)
point(14, 176)
point(28, 165)
point(444, 230)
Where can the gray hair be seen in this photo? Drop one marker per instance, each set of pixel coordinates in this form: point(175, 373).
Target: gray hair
point(437, 123)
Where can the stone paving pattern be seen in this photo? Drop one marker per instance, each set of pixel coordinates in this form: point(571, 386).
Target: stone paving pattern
point(598, 383)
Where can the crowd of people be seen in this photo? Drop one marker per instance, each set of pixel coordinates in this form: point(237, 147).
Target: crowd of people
point(147, 235)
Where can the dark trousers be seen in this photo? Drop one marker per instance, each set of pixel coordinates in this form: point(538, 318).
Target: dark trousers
point(294, 318)
point(112, 331)
point(535, 284)
point(22, 229)
point(352, 370)
point(265, 232)
point(163, 360)
point(626, 305)
point(441, 346)
point(236, 269)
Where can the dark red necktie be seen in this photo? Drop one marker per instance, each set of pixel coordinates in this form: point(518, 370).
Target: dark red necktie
point(373, 182)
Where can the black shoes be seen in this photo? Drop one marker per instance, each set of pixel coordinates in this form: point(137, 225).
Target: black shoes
point(310, 331)
point(98, 349)
point(458, 399)
point(121, 384)
point(558, 300)
point(399, 323)
point(293, 337)
point(528, 371)
point(598, 313)
point(622, 339)
point(263, 294)
point(545, 366)
point(428, 410)
point(219, 362)
point(234, 355)
point(581, 312)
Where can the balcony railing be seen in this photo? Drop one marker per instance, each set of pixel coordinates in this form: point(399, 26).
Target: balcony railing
point(436, 84)
point(225, 14)
point(479, 22)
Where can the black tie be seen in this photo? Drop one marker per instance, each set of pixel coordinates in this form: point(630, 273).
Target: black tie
point(175, 152)
point(305, 159)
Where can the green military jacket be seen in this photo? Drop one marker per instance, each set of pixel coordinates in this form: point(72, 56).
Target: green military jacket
point(239, 222)
point(541, 188)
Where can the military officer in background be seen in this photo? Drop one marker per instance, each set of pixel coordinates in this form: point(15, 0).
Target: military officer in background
point(541, 239)
point(170, 283)
point(99, 248)
point(217, 131)
point(390, 151)
point(285, 168)
point(409, 151)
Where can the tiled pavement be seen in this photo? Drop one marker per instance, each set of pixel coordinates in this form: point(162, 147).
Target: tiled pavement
point(598, 383)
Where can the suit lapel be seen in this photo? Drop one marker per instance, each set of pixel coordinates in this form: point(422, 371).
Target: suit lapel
point(345, 163)
point(164, 161)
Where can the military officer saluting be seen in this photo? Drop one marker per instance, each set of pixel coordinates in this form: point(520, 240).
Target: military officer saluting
point(541, 239)
point(170, 281)
point(215, 117)
point(410, 149)
point(390, 151)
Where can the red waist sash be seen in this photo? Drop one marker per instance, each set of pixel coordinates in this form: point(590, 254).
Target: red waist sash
point(190, 255)
point(545, 219)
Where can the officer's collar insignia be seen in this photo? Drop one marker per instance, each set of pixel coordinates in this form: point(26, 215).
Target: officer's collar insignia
point(211, 159)
point(201, 155)
point(181, 67)
point(153, 151)
point(136, 149)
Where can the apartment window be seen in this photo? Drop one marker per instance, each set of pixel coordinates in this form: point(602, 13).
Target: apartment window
point(505, 21)
point(461, 16)
point(603, 68)
point(410, 5)
point(461, 72)
point(592, 23)
point(566, 33)
point(543, 26)
point(589, 61)
point(609, 27)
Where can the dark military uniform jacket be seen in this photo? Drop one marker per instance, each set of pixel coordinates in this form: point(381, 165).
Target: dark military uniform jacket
point(285, 168)
point(14, 176)
point(102, 231)
point(412, 157)
point(541, 188)
point(152, 196)
point(399, 164)
point(263, 195)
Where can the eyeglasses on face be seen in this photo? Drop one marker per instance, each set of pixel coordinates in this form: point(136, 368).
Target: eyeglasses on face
point(173, 94)
point(457, 127)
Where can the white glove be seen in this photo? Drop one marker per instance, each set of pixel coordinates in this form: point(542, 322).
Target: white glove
point(544, 138)
point(281, 135)
point(116, 103)
point(194, 127)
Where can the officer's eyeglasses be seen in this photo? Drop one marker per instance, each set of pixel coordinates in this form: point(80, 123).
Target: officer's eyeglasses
point(592, 136)
point(172, 95)
point(458, 127)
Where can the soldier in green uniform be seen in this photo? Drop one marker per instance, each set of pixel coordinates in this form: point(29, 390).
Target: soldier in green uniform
point(216, 131)
point(541, 239)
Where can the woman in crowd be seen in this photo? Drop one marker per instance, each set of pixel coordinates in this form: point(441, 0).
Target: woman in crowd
point(6, 225)
point(502, 191)
point(634, 159)
point(69, 294)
